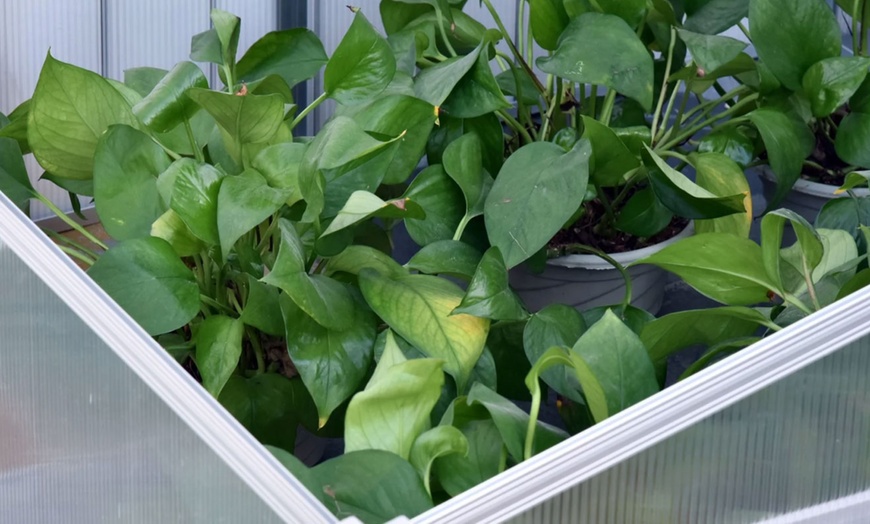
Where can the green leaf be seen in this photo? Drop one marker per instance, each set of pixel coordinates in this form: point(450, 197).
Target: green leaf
point(829, 83)
point(292, 257)
point(279, 165)
point(148, 280)
point(548, 19)
point(332, 363)
point(143, 79)
point(512, 422)
point(848, 214)
point(363, 205)
point(70, 109)
point(788, 142)
point(488, 129)
point(611, 158)
point(294, 54)
point(448, 257)
point(859, 281)
point(167, 105)
point(362, 65)
point(712, 17)
point(724, 267)
point(457, 473)
point(227, 27)
point(171, 228)
point(243, 202)
point(666, 335)
point(126, 166)
point(536, 192)
point(434, 84)
point(792, 35)
point(489, 294)
point(711, 52)
point(555, 325)
point(687, 199)
point(837, 266)
point(811, 248)
point(218, 349)
point(327, 301)
point(852, 137)
point(356, 258)
point(477, 93)
point(721, 176)
point(612, 355)
point(418, 308)
point(602, 49)
point(731, 141)
point(269, 405)
point(643, 215)
point(392, 487)
point(246, 119)
point(262, 309)
point(394, 408)
point(195, 197)
point(441, 199)
point(434, 443)
point(16, 128)
point(14, 181)
point(463, 162)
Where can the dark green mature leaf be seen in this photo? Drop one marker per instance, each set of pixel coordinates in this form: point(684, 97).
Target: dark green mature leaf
point(418, 307)
point(195, 197)
point(244, 201)
point(548, 19)
point(602, 49)
point(610, 156)
point(392, 487)
point(294, 54)
point(714, 16)
point(269, 405)
point(448, 257)
point(363, 205)
point(829, 83)
point(434, 443)
point(218, 349)
point(711, 51)
point(356, 258)
point(644, 215)
point(246, 119)
point(632, 11)
point(148, 280)
point(435, 84)
point(488, 129)
point(477, 93)
point(167, 105)
point(489, 294)
point(634, 318)
point(811, 248)
point(457, 473)
point(687, 199)
point(555, 325)
point(126, 166)
point(721, 176)
point(362, 65)
point(394, 408)
point(536, 192)
point(70, 109)
point(671, 333)
point(788, 142)
point(463, 162)
point(731, 141)
point(442, 200)
point(852, 139)
point(262, 309)
point(848, 214)
point(14, 182)
point(726, 268)
point(332, 363)
point(792, 35)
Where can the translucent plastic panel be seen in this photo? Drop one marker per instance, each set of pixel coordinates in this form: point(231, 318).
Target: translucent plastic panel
point(802, 442)
point(84, 439)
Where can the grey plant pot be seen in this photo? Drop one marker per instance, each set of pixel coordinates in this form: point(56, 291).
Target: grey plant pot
point(586, 281)
point(805, 198)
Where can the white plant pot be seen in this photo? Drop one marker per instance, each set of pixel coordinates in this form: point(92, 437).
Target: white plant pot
point(587, 281)
point(806, 198)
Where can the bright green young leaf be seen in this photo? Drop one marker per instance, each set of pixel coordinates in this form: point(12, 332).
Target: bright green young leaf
point(687, 199)
point(148, 280)
point(167, 105)
point(418, 308)
point(246, 119)
point(291, 253)
point(70, 109)
point(394, 408)
point(721, 176)
point(788, 142)
point(262, 309)
point(712, 17)
point(332, 364)
point(829, 83)
point(227, 27)
point(14, 181)
point(477, 93)
point(218, 349)
point(458, 473)
point(279, 165)
point(294, 54)
point(811, 248)
point(171, 228)
point(243, 202)
point(448, 257)
point(362, 65)
point(195, 197)
point(792, 35)
point(548, 19)
point(434, 443)
point(852, 138)
point(355, 258)
point(853, 180)
point(602, 49)
point(363, 205)
point(392, 487)
point(126, 166)
point(711, 52)
point(536, 192)
point(838, 263)
point(643, 215)
point(731, 141)
point(724, 267)
point(555, 325)
point(611, 158)
point(435, 83)
point(442, 201)
point(489, 294)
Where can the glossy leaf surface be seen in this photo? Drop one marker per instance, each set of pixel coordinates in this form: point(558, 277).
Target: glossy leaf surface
point(243, 202)
point(294, 54)
point(218, 349)
point(362, 65)
point(555, 325)
point(489, 294)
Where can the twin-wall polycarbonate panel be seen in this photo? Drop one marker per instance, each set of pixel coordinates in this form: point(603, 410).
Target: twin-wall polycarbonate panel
point(97, 424)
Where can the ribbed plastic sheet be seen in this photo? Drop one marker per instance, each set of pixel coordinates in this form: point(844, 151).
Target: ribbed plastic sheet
point(97, 424)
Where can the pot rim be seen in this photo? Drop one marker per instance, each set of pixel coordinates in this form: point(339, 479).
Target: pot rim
point(817, 189)
point(593, 262)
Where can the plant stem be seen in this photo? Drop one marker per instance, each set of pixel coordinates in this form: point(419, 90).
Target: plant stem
point(534, 411)
point(811, 289)
point(674, 154)
point(626, 301)
point(798, 303)
point(607, 110)
point(77, 254)
point(521, 16)
point(440, 16)
point(205, 299)
point(519, 128)
point(258, 349)
point(705, 107)
point(461, 228)
point(694, 129)
point(856, 37)
point(197, 151)
point(71, 243)
point(512, 47)
point(668, 110)
point(171, 153)
point(317, 101)
point(664, 91)
point(231, 82)
point(70, 222)
point(745, 30)
point(556, 102)
point(266, 238)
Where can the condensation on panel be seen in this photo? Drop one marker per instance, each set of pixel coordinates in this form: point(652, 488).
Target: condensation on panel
point(71, 29)
point(801, 442)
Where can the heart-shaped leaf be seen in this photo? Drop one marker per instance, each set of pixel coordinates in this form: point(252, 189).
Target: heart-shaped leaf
point(435, 83)
point(246, 119)
point(611, 158)
point(458, 473)
point(711, 52)
point(262, 309)
point(356, 258)
point(441, 200)
point(489, 294)
point(243, 202)
point(294, 54)
point(852, 136)
point(218, 349)
point(643, 215)
point(732, 141)
point(363, 205)
point(477, 93)
point(362, 65)
point(195, 196)
point(548, 19)
point(830, 82)
point(811, 248)
point(788, 142)
point(171, 228)
point(712, 17)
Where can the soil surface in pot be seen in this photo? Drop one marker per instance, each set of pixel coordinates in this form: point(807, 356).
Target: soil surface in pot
point(583, 232)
